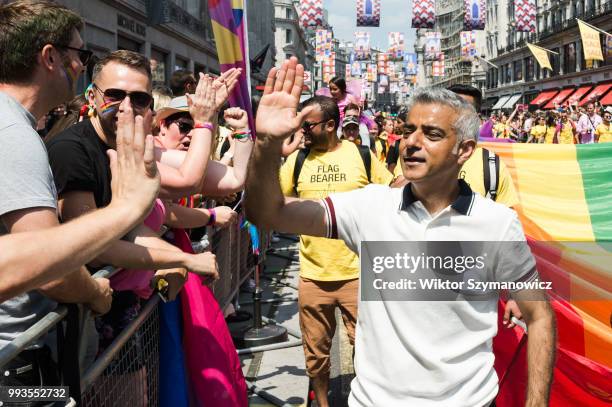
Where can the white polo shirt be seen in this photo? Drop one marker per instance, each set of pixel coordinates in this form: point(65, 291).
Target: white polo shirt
point(425, 353)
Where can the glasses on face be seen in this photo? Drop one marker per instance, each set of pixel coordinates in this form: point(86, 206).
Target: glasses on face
point(140, 100)
point(184, 127)
point(84, 54)
point(307, 126)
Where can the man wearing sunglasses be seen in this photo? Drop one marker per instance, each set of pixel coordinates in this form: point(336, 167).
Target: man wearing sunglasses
point(78, 158)
point(40, 62)
point(328, 269)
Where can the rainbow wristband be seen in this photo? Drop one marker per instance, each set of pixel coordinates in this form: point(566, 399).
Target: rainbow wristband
point(205, 125)
point(213, 217)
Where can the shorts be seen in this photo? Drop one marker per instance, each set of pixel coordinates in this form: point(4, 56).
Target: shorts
point(317, 304)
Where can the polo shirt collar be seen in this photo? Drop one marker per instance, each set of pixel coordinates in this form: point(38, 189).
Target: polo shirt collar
point(463, 203)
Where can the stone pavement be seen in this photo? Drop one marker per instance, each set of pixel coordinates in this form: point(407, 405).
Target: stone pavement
point(281, 373)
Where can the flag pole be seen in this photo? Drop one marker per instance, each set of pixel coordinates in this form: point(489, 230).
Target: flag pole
point(595, 28)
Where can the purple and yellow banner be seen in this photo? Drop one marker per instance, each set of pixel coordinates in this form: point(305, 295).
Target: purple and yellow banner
point(228, 19)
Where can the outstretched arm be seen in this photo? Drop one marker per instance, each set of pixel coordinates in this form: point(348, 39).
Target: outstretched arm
point(277, 118)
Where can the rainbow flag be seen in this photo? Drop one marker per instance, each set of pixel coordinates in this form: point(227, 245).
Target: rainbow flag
point(228, 19)
point(565, 194)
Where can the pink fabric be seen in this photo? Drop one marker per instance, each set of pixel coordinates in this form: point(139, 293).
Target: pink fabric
point(213, 366)
point(138, 280)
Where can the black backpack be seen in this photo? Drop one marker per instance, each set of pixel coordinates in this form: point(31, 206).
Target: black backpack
point(364, 152)
point(490, 164)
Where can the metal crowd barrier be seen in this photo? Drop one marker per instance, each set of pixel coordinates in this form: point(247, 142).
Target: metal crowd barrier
point(127, 372)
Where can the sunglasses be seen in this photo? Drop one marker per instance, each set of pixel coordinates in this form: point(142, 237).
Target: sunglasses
point(140, 100)
point(307, 126)
point(184, 126)
point(84, 54)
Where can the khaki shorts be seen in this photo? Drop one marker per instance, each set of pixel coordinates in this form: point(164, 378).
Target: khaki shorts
point(317, 304)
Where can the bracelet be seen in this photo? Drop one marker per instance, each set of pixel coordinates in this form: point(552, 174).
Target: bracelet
point(240, 135)
point(213, 217)
point(204, 125)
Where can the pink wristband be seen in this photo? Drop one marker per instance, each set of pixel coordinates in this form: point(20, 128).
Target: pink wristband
point(204, 125)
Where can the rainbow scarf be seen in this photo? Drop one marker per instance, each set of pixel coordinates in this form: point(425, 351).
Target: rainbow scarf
point(228, 19)
point(565, 194)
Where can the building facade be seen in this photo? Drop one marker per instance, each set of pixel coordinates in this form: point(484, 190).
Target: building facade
point(290, 37)
point(261, 26)
point(518, 77)
point(184, 41)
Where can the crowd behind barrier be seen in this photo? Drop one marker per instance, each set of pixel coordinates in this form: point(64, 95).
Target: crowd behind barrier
point(127, 372)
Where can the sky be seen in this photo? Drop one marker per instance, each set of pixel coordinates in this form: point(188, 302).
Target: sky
point(395, 15)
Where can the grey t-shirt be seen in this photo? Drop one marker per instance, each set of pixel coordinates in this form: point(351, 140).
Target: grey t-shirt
point(26, 181)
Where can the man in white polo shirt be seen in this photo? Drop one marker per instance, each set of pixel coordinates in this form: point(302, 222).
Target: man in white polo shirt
point(411, 353)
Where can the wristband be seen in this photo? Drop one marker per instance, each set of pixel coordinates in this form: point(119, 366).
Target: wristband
point(204, 125)
point(213, 217)
point(240, 135)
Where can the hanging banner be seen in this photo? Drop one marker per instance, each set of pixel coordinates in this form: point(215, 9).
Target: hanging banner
point(396, 46)
point(410, 64)
point(438, 66)
point(475, 14)
point(525, 15)
point(368, 13)
point(590, 42)
point(468, 45)
point(311, 13)
point(423, 13)
point(228, 19)
point(329, 67)
point(381, 62)
point(540, 55)
point(323, 44)
point(362, 45)
point(355, 68)
point(432, 45)
point(372, 72)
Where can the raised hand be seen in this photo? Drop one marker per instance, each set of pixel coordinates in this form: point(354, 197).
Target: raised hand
point(135, 179)
point(202, 103)
point(224, 86)
point(236, 118)
point(277, 113)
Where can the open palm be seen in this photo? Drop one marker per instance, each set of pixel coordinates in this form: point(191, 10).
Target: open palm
point(276, 115)
point(224, 85)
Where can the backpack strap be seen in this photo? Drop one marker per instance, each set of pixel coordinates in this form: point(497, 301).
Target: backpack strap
point(299, 163)
point(366, 157)
point(490, 164)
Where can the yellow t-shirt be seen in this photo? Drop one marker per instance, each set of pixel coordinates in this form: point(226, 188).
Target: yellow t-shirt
point(604, 133)
point(539, 132)
point(550, 135)
point(566, 135)
point(379, 150)
point(322, 174)
point(502, 130)
point(473, 173)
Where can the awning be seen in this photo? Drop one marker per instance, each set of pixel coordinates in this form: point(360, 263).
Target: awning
point(607, 100)
point(578, 94)
point(595, 93)
point(543, 97)
point(489, 103)
point(512, 101)
point(501, 102)
point(560, 98)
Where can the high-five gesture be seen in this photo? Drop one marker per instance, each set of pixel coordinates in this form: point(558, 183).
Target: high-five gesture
point(277, 113)
point(224, 86)
point(135, 180)
point(202, 103)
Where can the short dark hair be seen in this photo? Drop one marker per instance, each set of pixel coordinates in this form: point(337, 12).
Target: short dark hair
point(351, 106)
point(327, 105)
point(468, 90)
point(27, 26)
point(339, 82)
point(179, 79)
point(124, 57)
